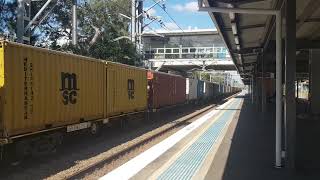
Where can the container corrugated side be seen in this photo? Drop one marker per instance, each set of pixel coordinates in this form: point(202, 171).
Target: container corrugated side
point(191, 91)
point(126, 89)
point(215, 90)
point(180, 90)
point(1, 87)
point(208, 89)
point(221, 88)
point(44, 89)
point(161, 89)
point(165, 89)
point(200, 89)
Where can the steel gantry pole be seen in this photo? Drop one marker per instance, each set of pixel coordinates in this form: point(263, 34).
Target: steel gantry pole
point(278, 163)
point(290, 77)
point(133, 22)
point(23, 18)
point(252, 89)
point(277, 13)
point(263, 92)
point(20, 21)
point(140, 24)
point(74, 22)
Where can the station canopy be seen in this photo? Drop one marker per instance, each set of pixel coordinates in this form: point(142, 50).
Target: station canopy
point(248, 36)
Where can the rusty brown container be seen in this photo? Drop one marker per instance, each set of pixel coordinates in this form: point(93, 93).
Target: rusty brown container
point(165, 89)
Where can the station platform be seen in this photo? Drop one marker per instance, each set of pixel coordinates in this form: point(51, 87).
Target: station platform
point(231, 142)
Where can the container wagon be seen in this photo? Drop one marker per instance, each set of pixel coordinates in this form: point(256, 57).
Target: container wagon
point(126, 89)
point(200, 90)
point(191, 89)
point(208, 90)
point(216, 92)
point(165, 90)
point(221, 88)
point(50, 93)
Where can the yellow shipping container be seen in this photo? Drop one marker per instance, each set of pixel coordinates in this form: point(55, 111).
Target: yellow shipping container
point(126, 89)
point(42, 89)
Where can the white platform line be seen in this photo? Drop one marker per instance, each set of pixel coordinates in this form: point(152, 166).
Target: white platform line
point(132, 167)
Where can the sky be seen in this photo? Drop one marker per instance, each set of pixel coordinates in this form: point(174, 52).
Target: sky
point(184, 12)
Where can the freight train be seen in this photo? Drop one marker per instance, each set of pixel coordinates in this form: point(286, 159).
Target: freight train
point(46, 94)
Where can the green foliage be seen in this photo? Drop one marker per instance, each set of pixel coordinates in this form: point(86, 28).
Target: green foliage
point(98, 24)
point(7, 18)
point(217, 77)
point(201, 75)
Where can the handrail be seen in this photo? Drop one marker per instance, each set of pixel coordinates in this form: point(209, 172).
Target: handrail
point(187, 53)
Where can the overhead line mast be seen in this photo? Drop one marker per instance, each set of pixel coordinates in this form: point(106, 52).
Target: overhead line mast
point(74, 22)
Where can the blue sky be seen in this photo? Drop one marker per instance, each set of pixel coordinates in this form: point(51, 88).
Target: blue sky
point(184, 12)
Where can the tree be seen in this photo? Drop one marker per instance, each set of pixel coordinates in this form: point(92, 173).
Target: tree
point(216, 77)
point(7, 18)
point(99, 23)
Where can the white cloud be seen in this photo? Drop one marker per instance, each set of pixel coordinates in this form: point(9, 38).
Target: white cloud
point(152, 12)
point(171, 26)
point(187, 7)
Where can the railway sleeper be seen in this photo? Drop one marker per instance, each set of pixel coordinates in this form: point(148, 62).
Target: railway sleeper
point(34, 146)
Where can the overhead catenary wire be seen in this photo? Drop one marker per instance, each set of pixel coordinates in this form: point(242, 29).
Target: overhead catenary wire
point(162, 25)
point(154, 18)
point(169, 16)
point(154, 31)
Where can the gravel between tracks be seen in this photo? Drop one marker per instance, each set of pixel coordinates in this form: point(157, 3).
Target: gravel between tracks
point(108, 166)
point(116, 162)
point(85, 151)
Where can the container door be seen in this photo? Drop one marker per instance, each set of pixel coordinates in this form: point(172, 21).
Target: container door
point(1, 88)
point(150, 94)
point(111, 91)
point(187, 88)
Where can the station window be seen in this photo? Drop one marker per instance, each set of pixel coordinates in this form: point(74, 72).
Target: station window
point(176, 51)
point(160, 50)
point(185, 50)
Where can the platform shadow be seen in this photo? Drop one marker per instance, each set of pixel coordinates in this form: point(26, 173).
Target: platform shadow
point(248, 150)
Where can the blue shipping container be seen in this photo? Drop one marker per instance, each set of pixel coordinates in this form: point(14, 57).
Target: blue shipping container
point(200, 89)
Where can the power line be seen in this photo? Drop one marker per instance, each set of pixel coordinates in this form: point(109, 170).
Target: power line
point(163, 8)
point(154, 18)
point(160, 23)
point(155, 30)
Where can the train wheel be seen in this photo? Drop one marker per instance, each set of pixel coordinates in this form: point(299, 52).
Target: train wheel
point(147, 116)
point(95, 128)
point(124, 123)
point(23, 149)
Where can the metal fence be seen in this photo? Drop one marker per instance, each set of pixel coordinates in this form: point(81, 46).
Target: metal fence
point(187, 53)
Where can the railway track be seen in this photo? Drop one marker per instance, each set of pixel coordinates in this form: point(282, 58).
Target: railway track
point(80, 173)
